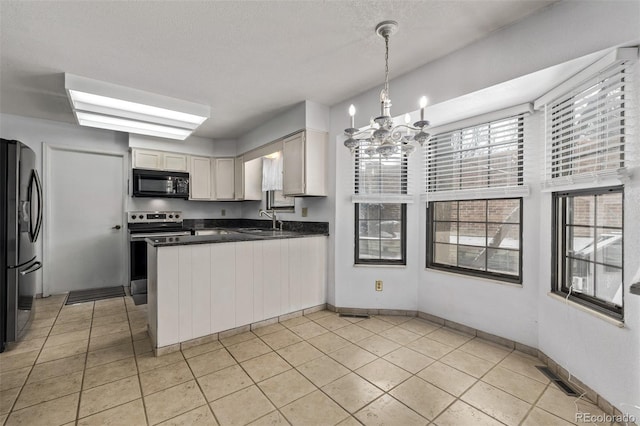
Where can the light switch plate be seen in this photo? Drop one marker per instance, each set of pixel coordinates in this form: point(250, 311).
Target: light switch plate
point(223, 212)
point(305, 211)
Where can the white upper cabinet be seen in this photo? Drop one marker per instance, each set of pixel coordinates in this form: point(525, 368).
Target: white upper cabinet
point(143, 159)
point(238, 178)
point(304, 164)
point(200, 179)
point(159, 160)
point(224, 178)
point(212, 179)
point(175, 162)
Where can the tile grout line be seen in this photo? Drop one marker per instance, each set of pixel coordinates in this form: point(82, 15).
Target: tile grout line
point(195, 378)
point(534, 404)
point(384, 392)
point(256, 383)
point(86, 360)
point(101, 365)
point(11, 410)
point(135, 358)
point(323, 354)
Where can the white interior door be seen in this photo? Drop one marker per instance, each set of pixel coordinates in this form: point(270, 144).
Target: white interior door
point(85, 234)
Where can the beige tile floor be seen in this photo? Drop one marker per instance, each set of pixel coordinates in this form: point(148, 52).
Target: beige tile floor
point(92, 364)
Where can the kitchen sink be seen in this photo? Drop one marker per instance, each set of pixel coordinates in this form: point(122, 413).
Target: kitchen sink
point(268, 232)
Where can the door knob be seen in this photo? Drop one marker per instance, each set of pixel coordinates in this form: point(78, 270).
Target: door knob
point(116, 227)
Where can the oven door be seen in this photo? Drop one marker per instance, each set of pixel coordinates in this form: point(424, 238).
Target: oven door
point(152, 183)
point(138, 257)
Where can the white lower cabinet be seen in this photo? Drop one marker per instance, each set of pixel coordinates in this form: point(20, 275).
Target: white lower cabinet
point(201, 289)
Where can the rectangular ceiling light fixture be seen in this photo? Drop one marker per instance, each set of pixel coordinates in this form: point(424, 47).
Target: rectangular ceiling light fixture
point(110, 106)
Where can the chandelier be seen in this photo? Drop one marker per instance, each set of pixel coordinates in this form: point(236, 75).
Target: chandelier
point(382, 137)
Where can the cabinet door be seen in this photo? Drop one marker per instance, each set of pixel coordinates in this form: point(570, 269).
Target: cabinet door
point(175, 162)
point(238, 178)
point(143, 159)
point(200, 178)
point(253, 179)
point(293, 165)
point(224, 182)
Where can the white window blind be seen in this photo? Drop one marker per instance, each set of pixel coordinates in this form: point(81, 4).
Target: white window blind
point(379, 179)
point(272, 173)
point(478, 161)
point(587, 128)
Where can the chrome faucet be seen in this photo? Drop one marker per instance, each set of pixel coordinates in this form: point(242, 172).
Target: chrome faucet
point(271, 214)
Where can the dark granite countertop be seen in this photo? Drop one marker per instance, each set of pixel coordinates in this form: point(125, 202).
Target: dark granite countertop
point(234, 235)
point(287, 225)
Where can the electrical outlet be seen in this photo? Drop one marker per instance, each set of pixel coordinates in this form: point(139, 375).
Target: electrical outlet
point(223, 212)
point(378, 285)
point(305, 211)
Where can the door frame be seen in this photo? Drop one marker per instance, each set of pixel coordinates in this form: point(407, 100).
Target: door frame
point(47, 151)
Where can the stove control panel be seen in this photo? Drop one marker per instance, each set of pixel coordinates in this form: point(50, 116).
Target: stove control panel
point(155, 217)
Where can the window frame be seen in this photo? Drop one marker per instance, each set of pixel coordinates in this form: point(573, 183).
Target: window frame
point(558, 252)
point(404, 190)
point(403, 239)
point(430, 241)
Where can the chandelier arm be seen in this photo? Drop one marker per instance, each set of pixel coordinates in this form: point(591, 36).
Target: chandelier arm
point(356, 135)
point(405, 126)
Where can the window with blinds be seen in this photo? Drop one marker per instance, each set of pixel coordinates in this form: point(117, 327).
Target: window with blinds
point(586, 129)
point(488, 155)
point(378, 178)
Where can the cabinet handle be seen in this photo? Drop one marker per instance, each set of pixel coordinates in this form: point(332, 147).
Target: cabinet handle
point(116, 227)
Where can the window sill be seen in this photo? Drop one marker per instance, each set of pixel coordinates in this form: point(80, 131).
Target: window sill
point(474, 277)
point(559, 298)
point(381, 265)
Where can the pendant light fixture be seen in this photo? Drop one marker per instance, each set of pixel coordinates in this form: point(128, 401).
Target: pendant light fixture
point(382, 137)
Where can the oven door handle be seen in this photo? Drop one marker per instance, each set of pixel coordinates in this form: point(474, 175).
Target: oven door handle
point(141, 237)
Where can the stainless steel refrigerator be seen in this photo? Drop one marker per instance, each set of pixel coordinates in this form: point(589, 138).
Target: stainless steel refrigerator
point(20, 222)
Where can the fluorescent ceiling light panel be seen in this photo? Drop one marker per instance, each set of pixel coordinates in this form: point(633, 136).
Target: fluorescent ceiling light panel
point(131, 126)
point(109, 106)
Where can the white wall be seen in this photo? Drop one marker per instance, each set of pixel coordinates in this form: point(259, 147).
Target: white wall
point(603, 356)
point(36, 132)
point(193, 145)
point(290, 121)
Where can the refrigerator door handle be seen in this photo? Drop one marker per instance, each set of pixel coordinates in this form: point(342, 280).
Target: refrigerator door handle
point(34, 230)
point(31, 269)
point(22, 264)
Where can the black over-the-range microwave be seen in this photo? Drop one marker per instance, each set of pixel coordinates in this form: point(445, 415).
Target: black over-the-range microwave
point(154, 183)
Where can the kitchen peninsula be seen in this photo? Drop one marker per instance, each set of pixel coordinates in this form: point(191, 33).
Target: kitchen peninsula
point(201, 285)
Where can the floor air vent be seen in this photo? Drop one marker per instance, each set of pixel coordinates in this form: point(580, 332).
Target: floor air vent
point(80, 296)
point(365, 316)
point(564, 387)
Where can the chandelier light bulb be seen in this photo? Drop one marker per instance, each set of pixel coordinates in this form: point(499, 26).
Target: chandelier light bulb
point(423, 104)
point(407, 118)
point(352, 113)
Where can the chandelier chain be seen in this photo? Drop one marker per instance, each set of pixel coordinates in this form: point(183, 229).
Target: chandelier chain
point(386, 65)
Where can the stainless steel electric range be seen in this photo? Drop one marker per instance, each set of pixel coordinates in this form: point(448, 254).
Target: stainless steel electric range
point(143, 225)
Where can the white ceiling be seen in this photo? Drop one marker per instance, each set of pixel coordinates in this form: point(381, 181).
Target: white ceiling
point(248, 60)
